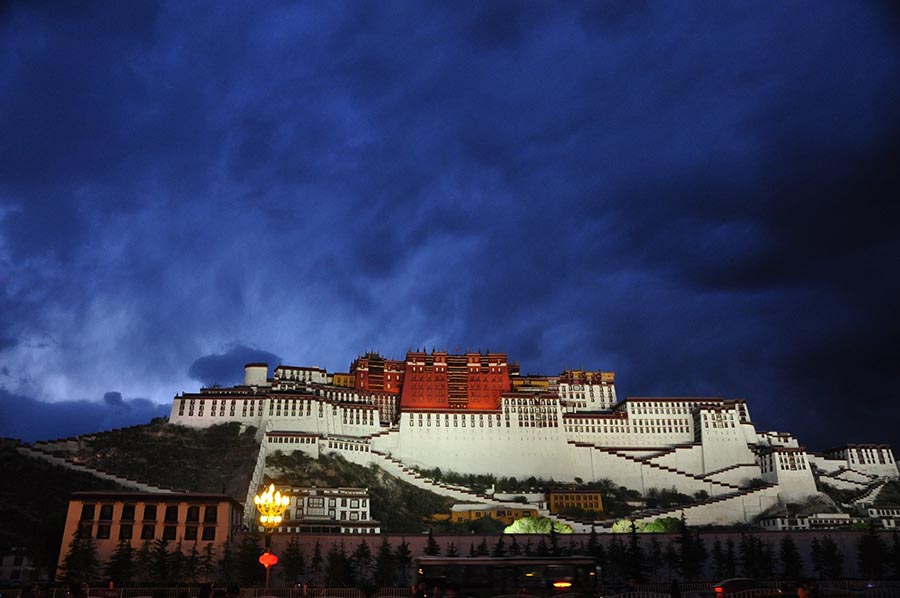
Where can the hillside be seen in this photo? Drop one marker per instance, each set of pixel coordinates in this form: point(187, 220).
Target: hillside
point(33, 502)
point(400, 507)
point(217, 459)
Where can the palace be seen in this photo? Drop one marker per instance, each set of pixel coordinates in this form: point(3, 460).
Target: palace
point(474, 413)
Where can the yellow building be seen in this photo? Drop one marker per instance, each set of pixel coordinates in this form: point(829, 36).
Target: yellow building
point(560, 501)
point(342, 379)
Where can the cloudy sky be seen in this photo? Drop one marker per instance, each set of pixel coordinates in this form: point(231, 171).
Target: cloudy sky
point(700, 197)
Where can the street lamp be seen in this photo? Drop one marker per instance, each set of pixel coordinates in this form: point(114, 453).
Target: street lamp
point(271, 505)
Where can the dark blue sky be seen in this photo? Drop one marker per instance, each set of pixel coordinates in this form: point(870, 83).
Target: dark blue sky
point(701, 197)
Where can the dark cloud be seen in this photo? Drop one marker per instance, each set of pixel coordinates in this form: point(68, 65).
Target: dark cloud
point(700, 199)
point(29, 420)
point(227, 369)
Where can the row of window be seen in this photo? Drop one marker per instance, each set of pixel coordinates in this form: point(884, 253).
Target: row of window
point(148, 531)
point(150, 513)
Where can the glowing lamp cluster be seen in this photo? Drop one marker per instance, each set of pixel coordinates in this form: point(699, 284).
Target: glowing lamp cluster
point(271, 506)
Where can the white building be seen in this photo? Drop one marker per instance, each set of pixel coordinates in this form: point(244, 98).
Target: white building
point(329, 510)
point(574, 428)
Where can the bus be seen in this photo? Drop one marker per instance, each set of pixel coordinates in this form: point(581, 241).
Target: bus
point(484, 576)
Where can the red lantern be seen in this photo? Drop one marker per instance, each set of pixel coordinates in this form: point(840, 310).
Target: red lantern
point(267, 559)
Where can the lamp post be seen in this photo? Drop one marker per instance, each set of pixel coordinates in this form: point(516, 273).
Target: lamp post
point(271, 505)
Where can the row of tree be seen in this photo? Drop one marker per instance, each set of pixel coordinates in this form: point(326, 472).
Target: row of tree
point(625, 558)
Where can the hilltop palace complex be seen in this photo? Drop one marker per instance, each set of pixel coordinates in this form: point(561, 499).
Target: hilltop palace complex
point(474, 413)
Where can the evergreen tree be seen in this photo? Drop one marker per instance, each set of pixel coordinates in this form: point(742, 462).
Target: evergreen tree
point(403, 561)
point(691, 552)
point(554, 540)
point(670, 554)
point(80, 565)
point(472, 552)
point(362, 563)
point(655, 558)
point(542, 549)
point(766, 561)
point(338, 573)
point(730, 559)
point(159, 562)
point(635, 561)
point(593, 542)
point(514, 548)
point(292, 562)
point(871, 551)
point(616, 557)
point(791, 561)
point(832, 559)
point(384, 565)
point(227, 564)
point(482, 549)
point(120, 568)
point(499, 549)
point(452, 552)
point(177, 564)
point(248, 569)
point(192, 565)
point(718, 560)
point(316, 564)
point(431, 546)
point(142, 561)
point(207, 566)
point(529, 550)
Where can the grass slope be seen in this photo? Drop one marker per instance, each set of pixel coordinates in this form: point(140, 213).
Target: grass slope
point(217, 459)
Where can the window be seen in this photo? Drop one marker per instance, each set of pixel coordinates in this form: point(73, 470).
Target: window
point(171, 513)
point(128, 513)
point(125, 532)
point(209, 514)
point(106, 512)
point(87, 512)
point(168, 532)
point(190, 532)
point(209, 533)
point(193, 513)
point(103, 532)
point(149, 512)
point(148, 532)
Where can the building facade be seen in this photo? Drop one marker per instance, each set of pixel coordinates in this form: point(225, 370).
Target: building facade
point(139, 517)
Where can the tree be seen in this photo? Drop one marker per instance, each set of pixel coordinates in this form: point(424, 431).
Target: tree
point(635, 561)
point(159, 561)
point(338, 573)
point(316, 564)
point(871, 551)
point(120, 568)
point(192, 565)
point(616, 557)
point(730, 559)
point(249, 570)
point(142, 561)
point(482, 549)
point(832, 559)
point(514, 548)
point(499, 549)
point(226, 564)
point(384, 565)
point(452, 552)
point(655, 558)
point(80, 565)
point(403, 561)
point(361, 560)
point(791, 561)
point(895, 554)
point(718, 560)
point(691, 552)
point(207, 566)
point(292, 561)
point(177, 564)
point(431, 546)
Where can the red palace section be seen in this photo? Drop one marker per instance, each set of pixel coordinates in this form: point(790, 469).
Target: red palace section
point(437, 380)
